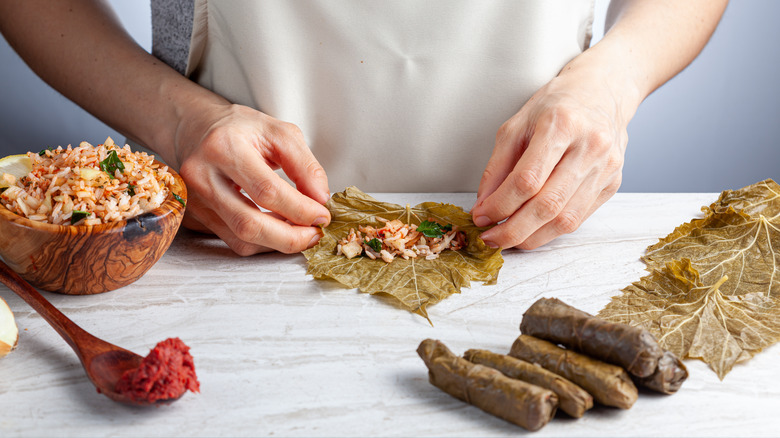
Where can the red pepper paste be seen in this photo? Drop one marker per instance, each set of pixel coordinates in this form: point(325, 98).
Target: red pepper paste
point(166, 373)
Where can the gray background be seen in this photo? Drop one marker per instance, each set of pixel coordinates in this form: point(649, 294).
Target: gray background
point(713, 127)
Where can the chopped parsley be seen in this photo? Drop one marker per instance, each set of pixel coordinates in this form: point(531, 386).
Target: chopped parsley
point(178, 198)
point(43, 152)
point(111, 164)
point(375, 244)
point(131, 189)
point(78, 215)
point(433, 229)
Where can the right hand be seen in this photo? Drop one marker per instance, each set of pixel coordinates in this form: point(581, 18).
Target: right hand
point(236, 147)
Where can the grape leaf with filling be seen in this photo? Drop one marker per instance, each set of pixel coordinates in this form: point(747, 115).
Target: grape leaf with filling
point(414, 283)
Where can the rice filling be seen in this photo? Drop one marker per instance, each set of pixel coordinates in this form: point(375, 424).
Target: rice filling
point(397, 239)
point(88, 185)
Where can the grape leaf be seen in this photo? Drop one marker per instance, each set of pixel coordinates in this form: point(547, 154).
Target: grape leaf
point(744, 244)
point(713, 291)
point(697, 321)
point(762, 198)
point(414, 283)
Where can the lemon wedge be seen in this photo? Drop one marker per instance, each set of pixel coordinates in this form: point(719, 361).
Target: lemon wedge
point(14, 167)
point(9, 333)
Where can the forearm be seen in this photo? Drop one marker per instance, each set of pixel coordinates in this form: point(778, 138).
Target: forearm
point(80, 48)
point(646, 44)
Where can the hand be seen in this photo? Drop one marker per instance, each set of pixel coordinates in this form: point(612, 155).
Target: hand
point(240, 148)
point(554, 163)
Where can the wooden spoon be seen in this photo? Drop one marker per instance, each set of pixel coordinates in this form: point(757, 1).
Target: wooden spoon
point(104, 362)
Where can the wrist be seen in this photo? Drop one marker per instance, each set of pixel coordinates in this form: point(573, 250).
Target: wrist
point(618, 82)
point(190, 112)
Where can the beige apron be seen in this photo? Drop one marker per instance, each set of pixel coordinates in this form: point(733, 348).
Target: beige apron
point(392, 96)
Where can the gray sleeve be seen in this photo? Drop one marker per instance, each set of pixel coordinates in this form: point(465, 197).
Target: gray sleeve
point(171, 31)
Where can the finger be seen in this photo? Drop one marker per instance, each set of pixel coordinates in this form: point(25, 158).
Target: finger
point(582, 205)
point(190, 222)
point(200, 215)
point(270, 191)
point(238, 246)
point(236, 239)
point(251, 225)
point(238, 221)
point(545, 206)
point(290, 151)
point(510, 144)
point(527, 178)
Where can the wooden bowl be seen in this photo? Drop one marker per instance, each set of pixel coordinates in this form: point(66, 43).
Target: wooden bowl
point(90, 259)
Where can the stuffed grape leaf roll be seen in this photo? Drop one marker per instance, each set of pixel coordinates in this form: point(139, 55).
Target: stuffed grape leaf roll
point(518, 402)
point(633, 348)
point(573, 399)
point(668, 377)
point(609, 384)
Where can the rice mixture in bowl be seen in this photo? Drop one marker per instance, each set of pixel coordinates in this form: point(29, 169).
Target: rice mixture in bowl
point(89, 219)
point(87, 185)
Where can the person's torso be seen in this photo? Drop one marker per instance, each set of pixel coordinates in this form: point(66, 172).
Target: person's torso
point(391, 96)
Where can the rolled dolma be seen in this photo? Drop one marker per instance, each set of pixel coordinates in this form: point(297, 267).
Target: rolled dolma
point(608, 384)
point(668, 377)
point(573, 399)
point(633, 348)
point(513, 400)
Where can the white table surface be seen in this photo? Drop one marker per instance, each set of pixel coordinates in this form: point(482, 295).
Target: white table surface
point(280, 354)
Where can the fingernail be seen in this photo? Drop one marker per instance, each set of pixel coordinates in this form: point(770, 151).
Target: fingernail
point(482, 221)
point(320, 221)
point(314, 240)
point(324, 197)
point(487, 238)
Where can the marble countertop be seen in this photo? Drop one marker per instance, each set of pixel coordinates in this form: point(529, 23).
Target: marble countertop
point(281, 354)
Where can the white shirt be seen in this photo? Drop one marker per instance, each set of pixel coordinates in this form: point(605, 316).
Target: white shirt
point(392, 96)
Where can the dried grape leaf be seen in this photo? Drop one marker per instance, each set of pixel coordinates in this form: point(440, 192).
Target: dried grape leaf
point(713, 291)
point(743, 244)
point(729, 243)
point(414, 283)
point(762, 198)
point(697, 321)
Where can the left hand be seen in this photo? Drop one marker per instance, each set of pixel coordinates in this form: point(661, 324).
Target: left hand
point(554, 163)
